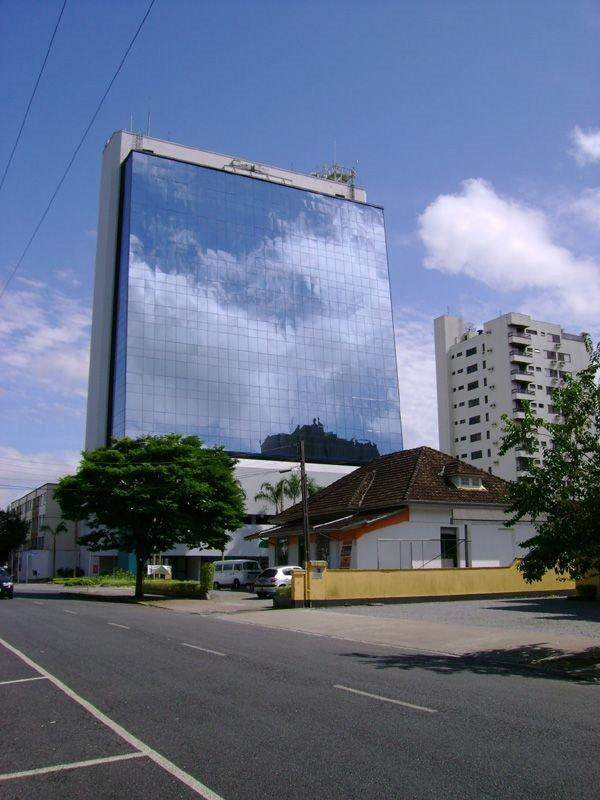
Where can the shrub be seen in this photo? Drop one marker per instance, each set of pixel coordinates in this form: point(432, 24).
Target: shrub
point(284, 591)
point(207, 576)
point(186, 588)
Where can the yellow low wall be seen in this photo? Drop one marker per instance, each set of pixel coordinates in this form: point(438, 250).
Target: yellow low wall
point(364, 584)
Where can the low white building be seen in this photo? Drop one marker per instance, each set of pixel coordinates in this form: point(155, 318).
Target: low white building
point(419, 508)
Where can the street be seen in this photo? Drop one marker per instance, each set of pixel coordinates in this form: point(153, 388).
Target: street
point(185, 705)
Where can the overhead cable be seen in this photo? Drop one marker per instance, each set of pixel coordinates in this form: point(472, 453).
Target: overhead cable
point(76, 151)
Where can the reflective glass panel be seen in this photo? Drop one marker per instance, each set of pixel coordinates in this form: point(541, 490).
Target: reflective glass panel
point(251, 313)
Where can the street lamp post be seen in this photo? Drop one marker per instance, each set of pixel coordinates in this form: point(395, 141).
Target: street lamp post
point(305, 523)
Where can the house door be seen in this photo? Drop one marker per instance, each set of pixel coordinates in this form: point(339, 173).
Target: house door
point(449, 547)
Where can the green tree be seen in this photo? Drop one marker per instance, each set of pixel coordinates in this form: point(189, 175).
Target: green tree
point(60, 528)
point(272, 493)
point(13, 533)
point(146, 495)
point(292, 487)
point(562, 494)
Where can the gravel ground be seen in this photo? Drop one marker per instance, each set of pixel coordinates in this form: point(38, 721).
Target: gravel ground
point(556, 615)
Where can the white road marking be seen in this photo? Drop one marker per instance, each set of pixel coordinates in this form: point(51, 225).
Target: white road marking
point(185, 778)
point(66, 610)
point(385, 699)
point(116, 625)
point(38, 603)
point(24, 680)
point(9, 776)
point(203, 649)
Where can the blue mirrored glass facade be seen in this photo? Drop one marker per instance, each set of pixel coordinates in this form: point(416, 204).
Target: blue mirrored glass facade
point(250, 313)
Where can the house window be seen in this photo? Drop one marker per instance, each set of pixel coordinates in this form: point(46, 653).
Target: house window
point(475, 437)
point(472, 385)
point(449, 546)
point(474, 420)
point(476, 454)
point(474, 402)
point(472, 368)
point(471, 351)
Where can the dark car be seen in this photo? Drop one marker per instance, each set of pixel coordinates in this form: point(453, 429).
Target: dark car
point(6, 584)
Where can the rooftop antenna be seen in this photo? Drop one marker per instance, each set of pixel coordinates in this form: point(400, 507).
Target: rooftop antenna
point(131, 122)
point(148, 125)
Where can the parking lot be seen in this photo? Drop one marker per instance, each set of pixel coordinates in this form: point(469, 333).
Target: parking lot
point(61, 745)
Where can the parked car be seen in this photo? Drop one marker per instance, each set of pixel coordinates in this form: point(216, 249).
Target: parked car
point(235, 573)
point(272, 578)
point(6, 584)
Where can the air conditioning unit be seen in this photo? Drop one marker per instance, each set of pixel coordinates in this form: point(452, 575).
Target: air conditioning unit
point(557, 345)
point(489, 349)
point(495, 461)
point(492, 386)
point(492, 405)
point(490, 369)
point(495, 443)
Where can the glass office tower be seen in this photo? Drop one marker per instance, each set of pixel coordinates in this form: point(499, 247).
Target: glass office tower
point(251, 312)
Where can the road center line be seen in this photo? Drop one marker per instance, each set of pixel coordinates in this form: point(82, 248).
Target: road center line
point(24, 680)
point(38, 603)
point(203, 649)
point(9, 776)
point(185, 778)
point(66, 610)
point(385, 699)
point(116, 625)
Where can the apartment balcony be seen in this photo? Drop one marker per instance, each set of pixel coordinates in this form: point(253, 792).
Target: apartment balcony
point(520, 393)
point(518, 414)
point(521, 375)
point(520, 357)
point(519, 338)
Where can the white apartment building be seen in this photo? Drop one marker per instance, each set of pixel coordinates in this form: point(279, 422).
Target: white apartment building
point(483, 374)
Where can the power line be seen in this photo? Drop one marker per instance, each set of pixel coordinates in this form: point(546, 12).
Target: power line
point(77, 149)
point(12, 152)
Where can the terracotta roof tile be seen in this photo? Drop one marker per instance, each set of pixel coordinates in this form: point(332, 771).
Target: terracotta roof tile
point(417, 475)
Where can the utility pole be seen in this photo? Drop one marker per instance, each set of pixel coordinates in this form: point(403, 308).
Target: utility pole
point(304, 522)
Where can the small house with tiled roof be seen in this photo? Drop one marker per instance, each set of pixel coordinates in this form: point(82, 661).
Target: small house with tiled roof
point(417, 508)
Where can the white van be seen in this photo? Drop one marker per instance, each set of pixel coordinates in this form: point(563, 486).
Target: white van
point(236, 573)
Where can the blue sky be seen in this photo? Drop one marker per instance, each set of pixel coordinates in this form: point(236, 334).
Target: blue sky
point(474, 124)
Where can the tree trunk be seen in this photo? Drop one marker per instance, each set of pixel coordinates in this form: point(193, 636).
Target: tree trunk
point(139, 577)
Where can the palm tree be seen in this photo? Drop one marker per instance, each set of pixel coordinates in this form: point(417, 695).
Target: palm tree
point(60, 528)
point(272, 493)
point(293, 487)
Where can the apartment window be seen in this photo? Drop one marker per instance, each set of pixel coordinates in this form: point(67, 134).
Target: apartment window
point(540, 405)
point(461, 421)
point(474, 420)
point(458, 371)
point(551, 373)
point(458, 355)
point(471, 351)
point(460, 405)
point(483, 364)
point(483, 348)
point(554, 337)
point(552, 410)
point(454, 405)
point(456, 440)
point(475, 437)
point(472, 385)
point(461, 387)
point(539, 386)
point(549, 390)
point(474, 402)
point(487, 434)
point(542, 333)
point(463, 455)
point(485, 381)
point(533, 333)
point(476, 454)
point(563, 356)
point(462, 438)
point(471, 368)
point(550, 354)
point(487, 416)
point(538, 369)
point(452, 357)
point(485, 398)
point(489, 453)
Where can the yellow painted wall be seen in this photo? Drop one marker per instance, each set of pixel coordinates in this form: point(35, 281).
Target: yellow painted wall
point(362, 584)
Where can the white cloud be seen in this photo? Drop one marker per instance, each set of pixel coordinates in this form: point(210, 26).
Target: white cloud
point(587, 206)
point(44, 342)
point(67, 276)
point(586, 146)
point(23, 472)
point(416, 375)
point(509, 247)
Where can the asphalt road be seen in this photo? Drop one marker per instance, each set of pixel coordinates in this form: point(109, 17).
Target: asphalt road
point(181, 706)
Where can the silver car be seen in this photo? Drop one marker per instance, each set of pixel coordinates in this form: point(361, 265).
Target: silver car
point(272, 578)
